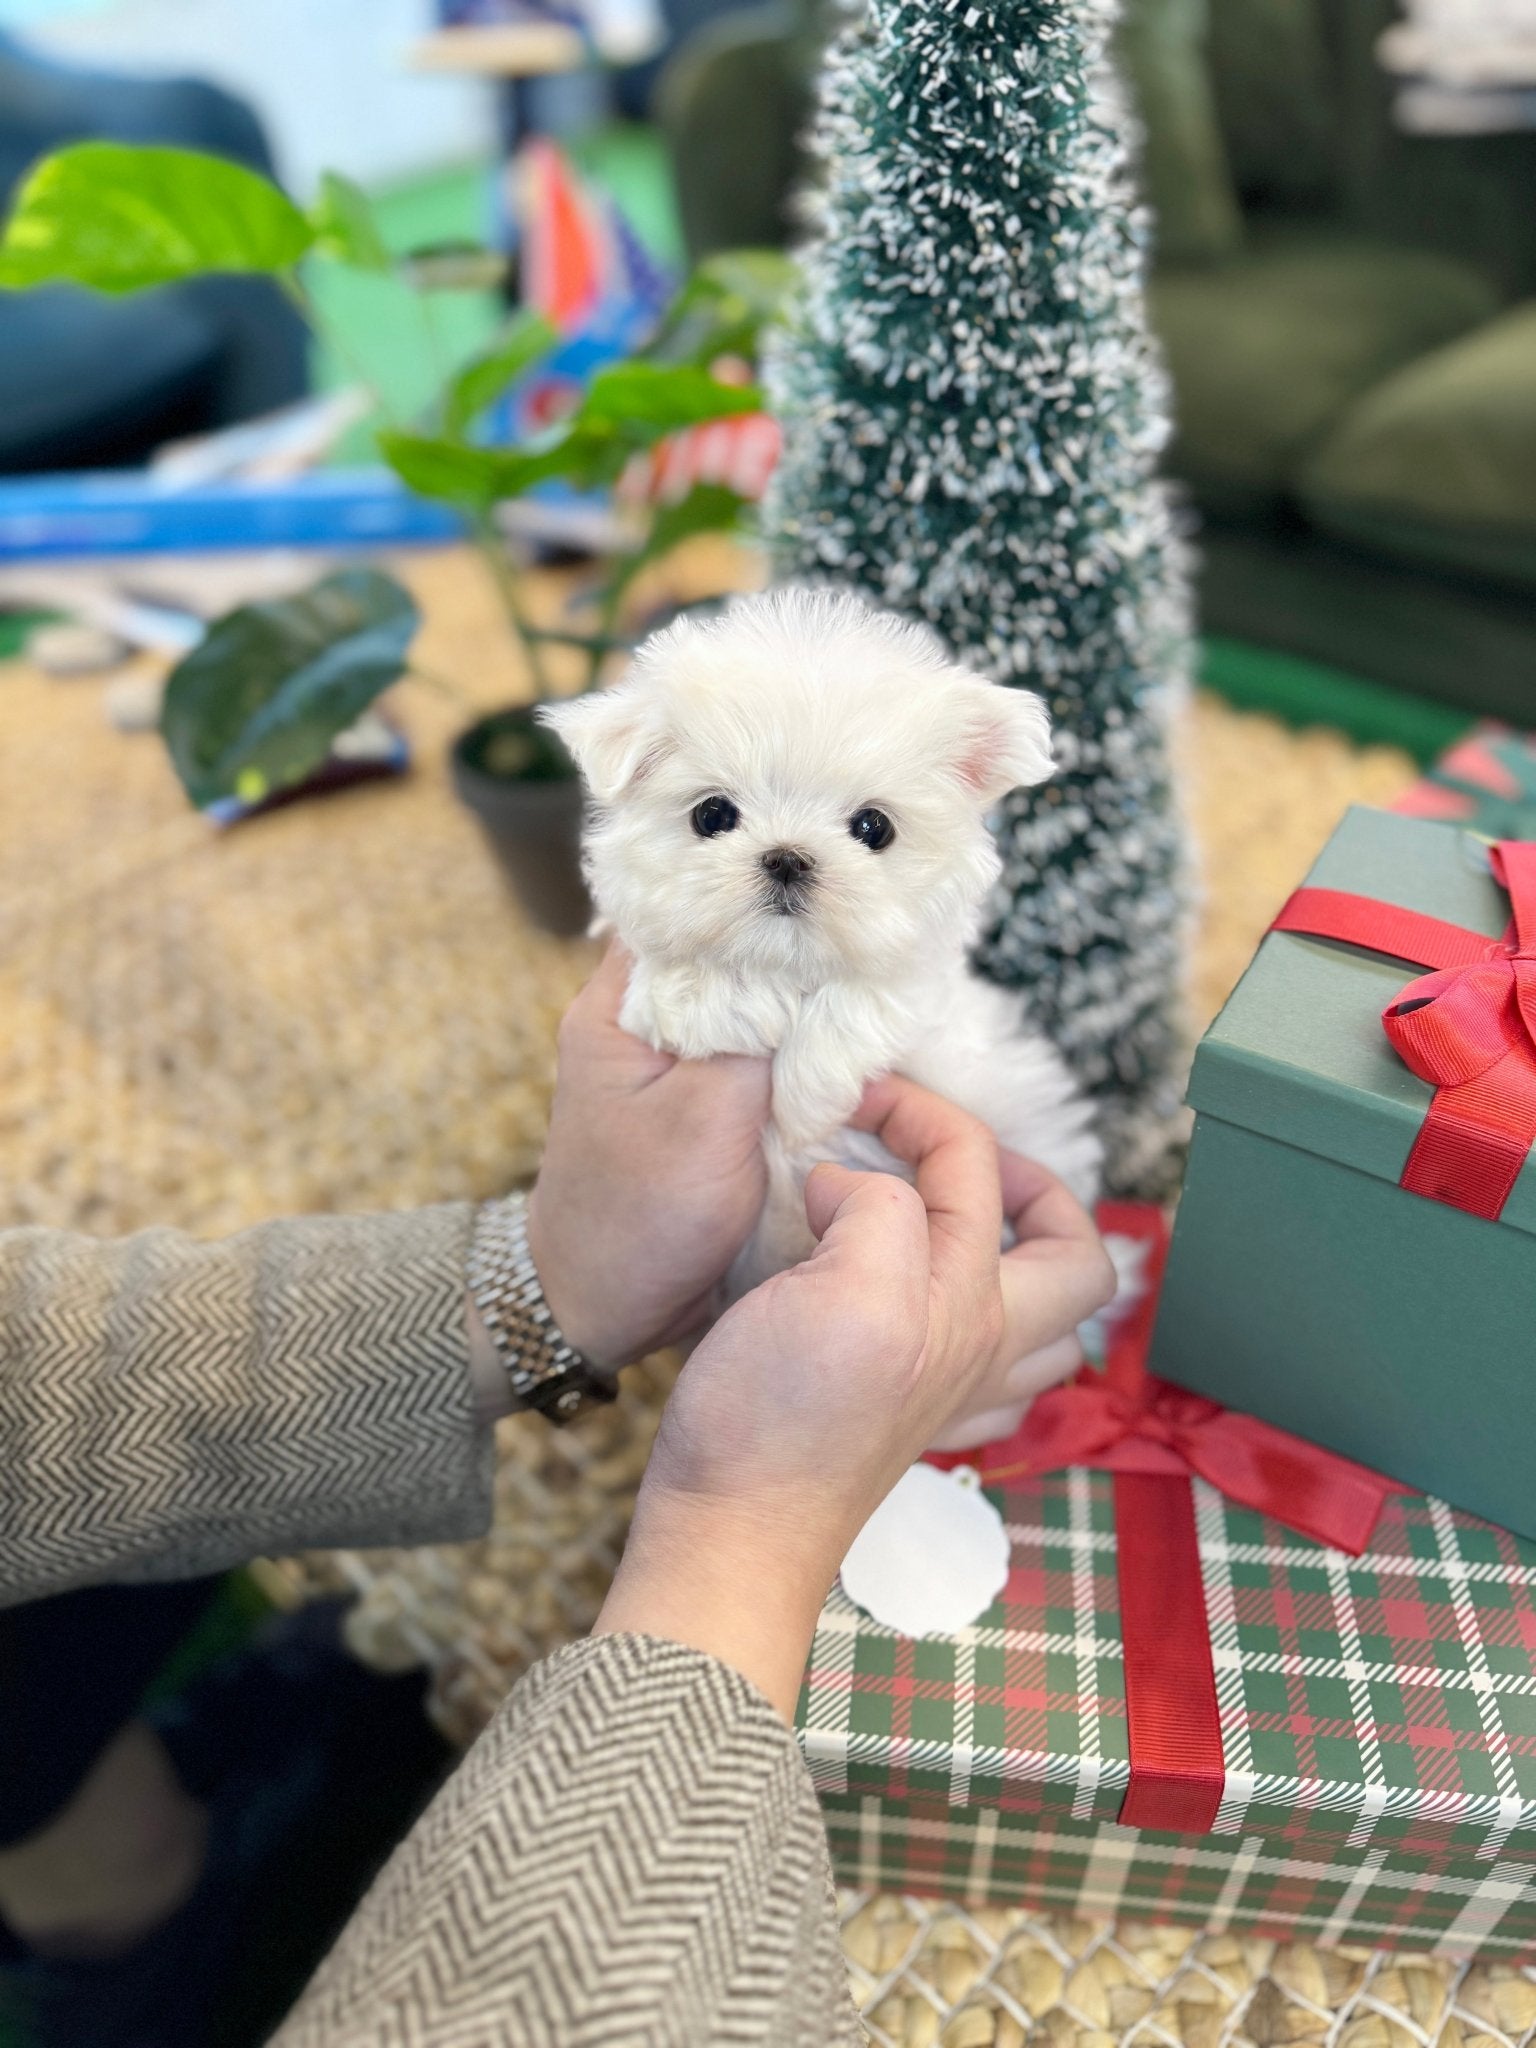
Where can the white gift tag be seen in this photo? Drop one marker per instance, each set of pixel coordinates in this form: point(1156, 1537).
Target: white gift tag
point(932, 1557)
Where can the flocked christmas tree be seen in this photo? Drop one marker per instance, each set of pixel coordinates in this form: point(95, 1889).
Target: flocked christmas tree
point(973, 413)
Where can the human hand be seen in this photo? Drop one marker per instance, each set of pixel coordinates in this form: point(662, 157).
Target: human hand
point(1044, 1215)
point(810, 1398)
point(651, 1181)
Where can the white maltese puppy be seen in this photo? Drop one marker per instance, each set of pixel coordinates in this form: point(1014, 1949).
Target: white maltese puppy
point(789, 835)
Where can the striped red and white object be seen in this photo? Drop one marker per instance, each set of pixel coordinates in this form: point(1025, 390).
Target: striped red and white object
point(739, 453)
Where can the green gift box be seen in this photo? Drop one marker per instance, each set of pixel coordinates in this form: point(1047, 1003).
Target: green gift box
point(1305, 1285)
point(1378, 1721)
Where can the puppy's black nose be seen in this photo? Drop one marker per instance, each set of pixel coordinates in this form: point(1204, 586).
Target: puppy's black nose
point(786, 865)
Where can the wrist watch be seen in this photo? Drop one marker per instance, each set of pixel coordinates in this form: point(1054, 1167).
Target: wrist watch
point(546, 1372)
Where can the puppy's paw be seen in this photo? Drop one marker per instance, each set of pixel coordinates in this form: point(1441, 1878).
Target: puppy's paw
point(817, 1082)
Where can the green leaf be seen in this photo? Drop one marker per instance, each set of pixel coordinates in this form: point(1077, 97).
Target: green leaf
point(463, 474)
point(118, 218)
point(723, 307)
point(256, 706)
point(643, 402)
point(345, 227)
point(625, 409)
point(525, 338)
point(708, 508)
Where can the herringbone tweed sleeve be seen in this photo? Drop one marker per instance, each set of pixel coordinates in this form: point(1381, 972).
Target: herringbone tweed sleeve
point(169, 1407)
point(631, 1856)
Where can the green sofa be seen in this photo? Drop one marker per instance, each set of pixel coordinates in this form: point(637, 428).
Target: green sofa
point(1348, 313)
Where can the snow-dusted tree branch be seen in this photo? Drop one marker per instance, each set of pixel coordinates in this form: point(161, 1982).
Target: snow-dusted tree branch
point(973, 412)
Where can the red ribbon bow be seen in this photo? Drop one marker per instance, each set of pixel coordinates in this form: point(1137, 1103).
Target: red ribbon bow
point(1155, 1437)
point(1468, 1028)
point(1154, 1429)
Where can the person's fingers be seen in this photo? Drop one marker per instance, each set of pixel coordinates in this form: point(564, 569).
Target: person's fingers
point(827, 1187)
point(871, 1231)
point(954, 1157)
point(593, 1041)
point(836, 1194)
point(1023, 1378)
point(996, 1408)
point(1037, 1204)
point(966, 1432)
point(726, 1098)
point(1049, 1287)
point(1058, 1273)
point(730, 1090)
point(602, 997)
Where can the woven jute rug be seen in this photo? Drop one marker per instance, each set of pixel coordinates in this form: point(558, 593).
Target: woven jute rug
point(339, 1007)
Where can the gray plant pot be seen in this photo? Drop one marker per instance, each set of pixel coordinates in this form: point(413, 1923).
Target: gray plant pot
point(522, 786)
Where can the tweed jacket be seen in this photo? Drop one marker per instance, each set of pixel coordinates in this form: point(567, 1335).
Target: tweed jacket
point(631, 1853)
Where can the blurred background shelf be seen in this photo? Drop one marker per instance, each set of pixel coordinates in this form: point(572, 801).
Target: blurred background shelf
point(530, 49)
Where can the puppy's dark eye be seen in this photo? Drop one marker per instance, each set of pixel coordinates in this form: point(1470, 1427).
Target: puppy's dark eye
point(872, 827)
point(716, 814)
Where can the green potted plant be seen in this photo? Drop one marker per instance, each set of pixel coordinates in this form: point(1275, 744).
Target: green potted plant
point(256, 707)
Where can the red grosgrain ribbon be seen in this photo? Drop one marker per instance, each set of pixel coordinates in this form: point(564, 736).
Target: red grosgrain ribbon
point(1154, 1437)
point(1468, 1028)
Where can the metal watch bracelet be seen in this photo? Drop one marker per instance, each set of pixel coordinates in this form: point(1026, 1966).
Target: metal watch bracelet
point(546, 1372)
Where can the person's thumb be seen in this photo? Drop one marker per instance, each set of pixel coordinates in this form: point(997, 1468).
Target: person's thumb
point(828, 1189)
point(871, 1228)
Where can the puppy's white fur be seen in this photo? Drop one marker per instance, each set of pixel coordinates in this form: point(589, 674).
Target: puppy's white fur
point(804, 707)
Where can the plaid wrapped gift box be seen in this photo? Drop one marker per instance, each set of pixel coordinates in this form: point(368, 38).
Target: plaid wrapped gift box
point(1378, 1720)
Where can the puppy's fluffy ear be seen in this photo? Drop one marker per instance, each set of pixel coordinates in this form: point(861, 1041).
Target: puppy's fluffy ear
point(614, 736)
point(1005, 740)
